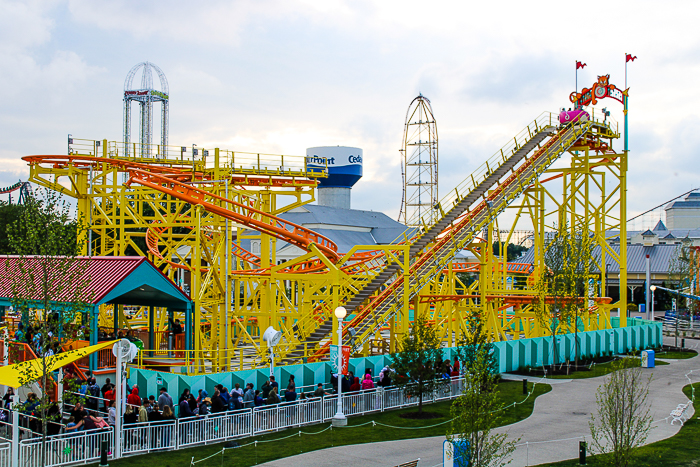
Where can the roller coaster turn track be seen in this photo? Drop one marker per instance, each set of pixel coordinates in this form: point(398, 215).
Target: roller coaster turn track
point(398, 272)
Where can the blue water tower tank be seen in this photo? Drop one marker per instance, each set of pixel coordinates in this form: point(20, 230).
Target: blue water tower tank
point(344, 170)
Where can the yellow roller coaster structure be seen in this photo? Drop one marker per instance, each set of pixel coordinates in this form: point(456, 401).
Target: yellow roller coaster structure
point(188, 210)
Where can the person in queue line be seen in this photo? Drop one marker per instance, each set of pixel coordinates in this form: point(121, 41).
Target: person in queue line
point(134, 398)
point(164, 399)
point(143, 411)
point(217, 403)
point(320, 392)
point(7, 398)
point(238, 392)
point(355, 386)
point(249, 396)
point(225, 395)
point(385, 377)
point(185, 410)
point(273, 398)
point(274, 384)
point(367, 383)
point(290, 394)
point(203, 408)
point(111, 414)
point(184, 396)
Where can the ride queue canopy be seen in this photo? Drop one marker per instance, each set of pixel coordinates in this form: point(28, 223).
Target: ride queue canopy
point(344, 170)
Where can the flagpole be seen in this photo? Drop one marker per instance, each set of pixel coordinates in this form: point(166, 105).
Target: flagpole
point(576, 90)
point(626, 108)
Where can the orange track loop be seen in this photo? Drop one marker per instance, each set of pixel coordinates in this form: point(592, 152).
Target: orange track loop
point(271, 225)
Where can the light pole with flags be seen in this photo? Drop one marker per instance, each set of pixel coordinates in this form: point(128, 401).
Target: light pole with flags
point(339, 418)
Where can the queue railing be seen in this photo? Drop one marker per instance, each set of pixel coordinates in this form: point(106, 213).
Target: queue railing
point(140, 438)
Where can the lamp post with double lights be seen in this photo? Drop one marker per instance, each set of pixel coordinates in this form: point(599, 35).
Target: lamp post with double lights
point(339, 418)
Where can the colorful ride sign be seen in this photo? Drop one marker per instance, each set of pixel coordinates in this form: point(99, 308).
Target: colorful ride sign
point(334, 359)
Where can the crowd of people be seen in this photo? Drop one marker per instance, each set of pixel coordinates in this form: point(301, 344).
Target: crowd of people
point(94, 405)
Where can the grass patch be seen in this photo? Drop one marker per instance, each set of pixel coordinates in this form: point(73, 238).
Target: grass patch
point(510, 391)
point(681, 450)
point(676, 354)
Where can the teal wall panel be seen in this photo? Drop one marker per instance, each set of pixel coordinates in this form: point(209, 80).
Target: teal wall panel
point(511, 356)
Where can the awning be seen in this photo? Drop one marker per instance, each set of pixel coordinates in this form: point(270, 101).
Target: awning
point(23, 373)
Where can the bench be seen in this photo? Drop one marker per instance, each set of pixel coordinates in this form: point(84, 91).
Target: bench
point(680, 413)
point(410, 464)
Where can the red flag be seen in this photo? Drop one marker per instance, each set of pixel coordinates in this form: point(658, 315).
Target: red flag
point(580, 65)
point(630, 58)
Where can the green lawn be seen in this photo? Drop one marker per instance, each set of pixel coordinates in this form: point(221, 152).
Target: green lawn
point(682, 450)
point(676, 355)
point(601, 369)
point(510, 391)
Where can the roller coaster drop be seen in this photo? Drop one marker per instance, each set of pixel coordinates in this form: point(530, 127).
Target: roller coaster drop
point(188, 212)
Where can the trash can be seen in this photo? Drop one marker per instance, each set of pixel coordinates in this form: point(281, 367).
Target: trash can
point(455, 453)
point(648, 359)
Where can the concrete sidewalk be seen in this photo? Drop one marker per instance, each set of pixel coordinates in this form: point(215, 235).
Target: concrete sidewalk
point(561, 414)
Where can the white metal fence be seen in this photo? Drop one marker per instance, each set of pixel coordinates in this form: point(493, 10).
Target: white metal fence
point(84, 446)
point(65, 449)
point(5, 454)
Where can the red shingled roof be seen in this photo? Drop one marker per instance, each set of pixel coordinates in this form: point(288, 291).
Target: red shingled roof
point(104, 274)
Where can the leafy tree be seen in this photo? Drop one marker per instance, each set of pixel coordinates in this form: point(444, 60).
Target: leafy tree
point(48, 286)
point(475, 350)
point(418, 360)
point(512, 251)
point(477, 411)
point(563, 284)
point(9, 213)
point(623, 419)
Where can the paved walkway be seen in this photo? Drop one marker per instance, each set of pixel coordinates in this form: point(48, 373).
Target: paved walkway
point(561, 414)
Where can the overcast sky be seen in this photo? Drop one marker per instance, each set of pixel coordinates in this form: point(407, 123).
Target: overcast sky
point(278, 77)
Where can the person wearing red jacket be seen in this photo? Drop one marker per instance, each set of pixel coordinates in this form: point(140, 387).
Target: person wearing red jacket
point(355, 386)
point(133, 398)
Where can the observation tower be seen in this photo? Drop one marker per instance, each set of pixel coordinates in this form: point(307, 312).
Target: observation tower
point(146, 95)
point(419, 164)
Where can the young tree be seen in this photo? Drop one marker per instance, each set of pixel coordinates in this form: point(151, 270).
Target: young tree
point(477, 411)
point(415, 362)
point(623, 421)
point(48, 283)
point(563, 284)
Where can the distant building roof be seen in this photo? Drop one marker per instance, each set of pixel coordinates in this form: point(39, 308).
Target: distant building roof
point(648, 233)
point(659, 258)
point(659, 226)
point(345, 227)
point(692, 201)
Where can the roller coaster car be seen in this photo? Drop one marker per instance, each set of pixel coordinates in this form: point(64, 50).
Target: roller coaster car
point(568, 116)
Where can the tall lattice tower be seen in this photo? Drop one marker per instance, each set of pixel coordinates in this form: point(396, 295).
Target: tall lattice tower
point(419, 167)
point(146, 95)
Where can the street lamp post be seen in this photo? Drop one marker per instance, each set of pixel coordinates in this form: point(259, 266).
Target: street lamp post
point(652, 288)
point(339, 418)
